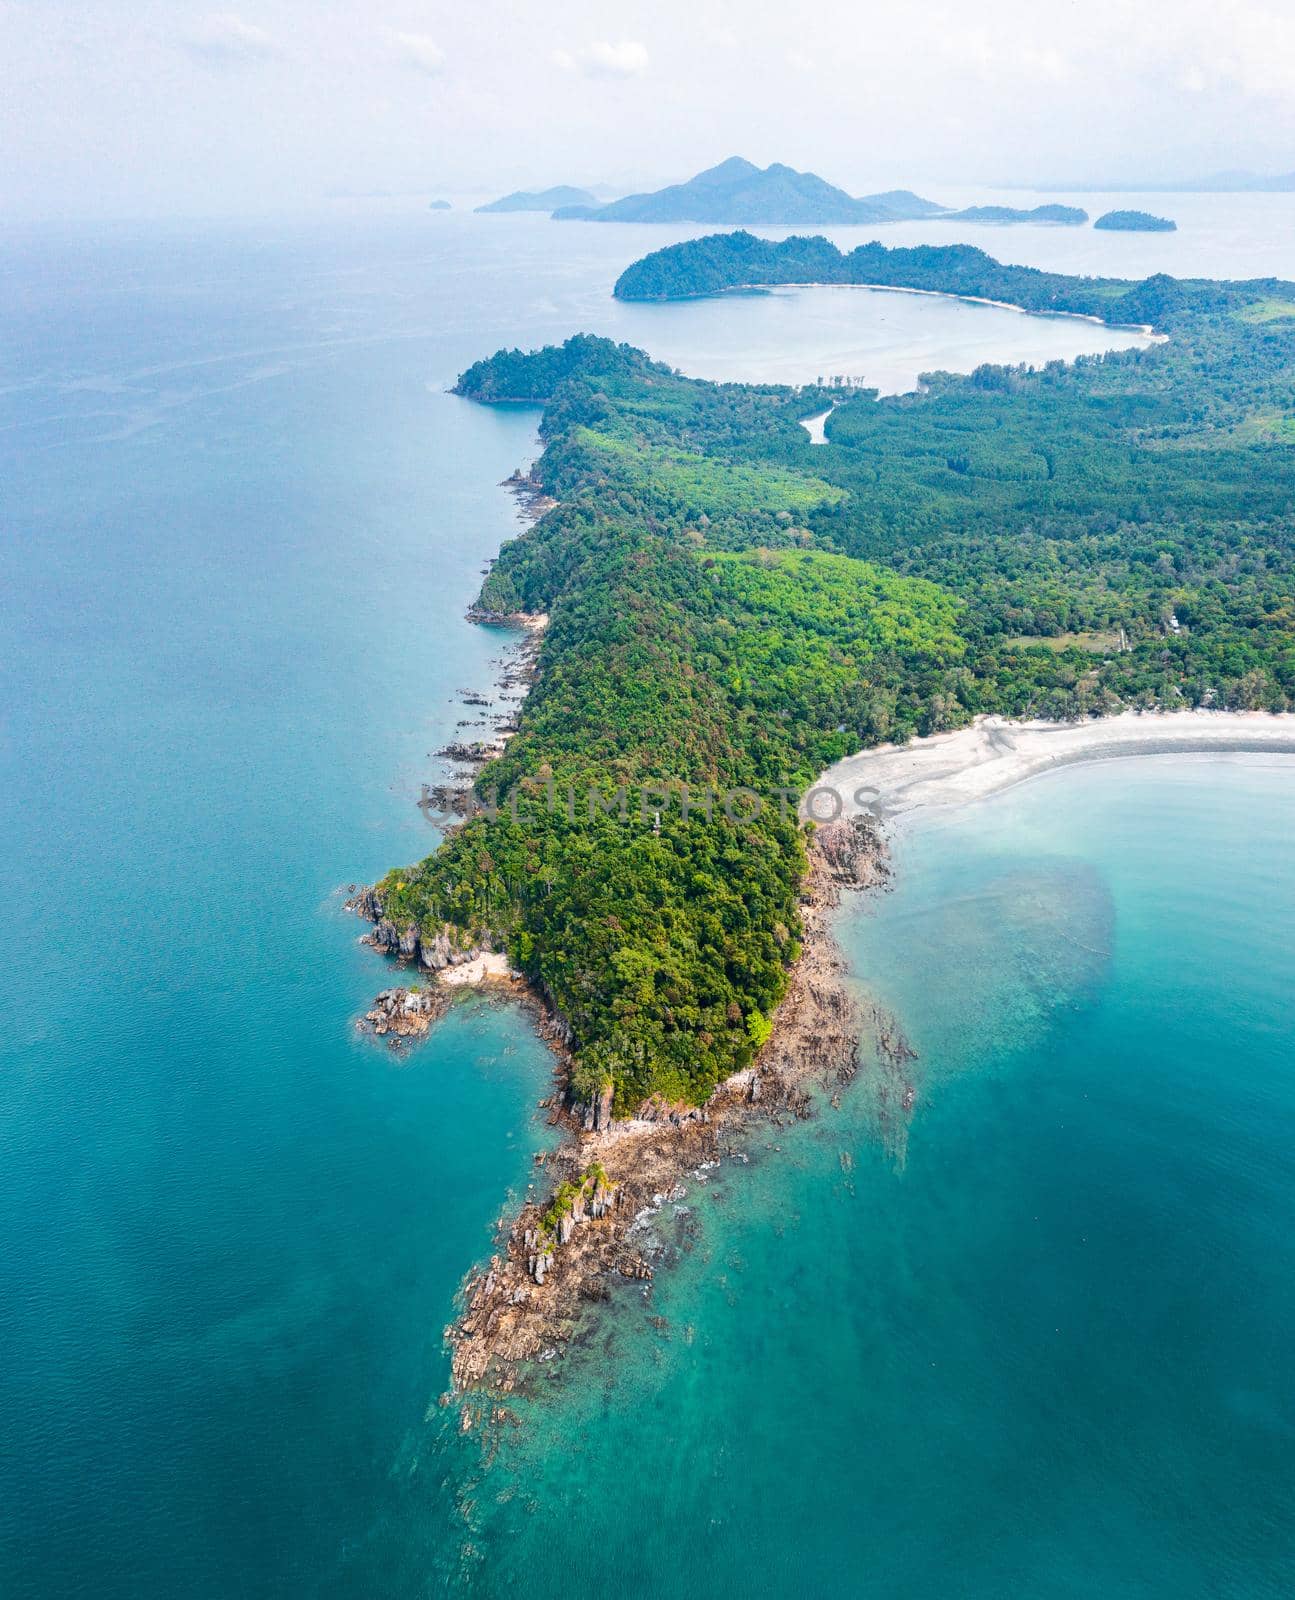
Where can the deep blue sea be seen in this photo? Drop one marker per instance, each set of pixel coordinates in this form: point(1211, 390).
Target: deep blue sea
point(1034, 1341)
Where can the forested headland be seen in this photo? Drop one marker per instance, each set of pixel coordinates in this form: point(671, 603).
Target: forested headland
point(722, 261)
point(731, 606)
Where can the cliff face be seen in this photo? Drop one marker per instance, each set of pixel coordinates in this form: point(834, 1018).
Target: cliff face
point(434, 951)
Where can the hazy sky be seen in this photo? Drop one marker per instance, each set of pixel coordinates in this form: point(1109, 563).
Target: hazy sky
point(139, 107)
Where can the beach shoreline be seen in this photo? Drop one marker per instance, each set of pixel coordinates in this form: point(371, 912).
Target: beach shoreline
point(1145, 329)
point(531, 1298)
point(533, 1295)
point(994, 754)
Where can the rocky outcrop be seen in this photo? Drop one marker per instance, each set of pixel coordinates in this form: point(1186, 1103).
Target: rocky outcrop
point(436, 953)
point(365, 902)
point(590, 1196)
point(849, 854)
point(474, 754)
point(597, 1114)
point(432, 951)
point(404, 1012)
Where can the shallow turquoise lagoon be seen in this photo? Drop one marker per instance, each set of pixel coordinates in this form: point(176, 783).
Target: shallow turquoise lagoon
point(1033, 1339)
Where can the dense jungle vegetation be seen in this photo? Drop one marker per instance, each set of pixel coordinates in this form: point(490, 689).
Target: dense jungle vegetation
point(733, 606)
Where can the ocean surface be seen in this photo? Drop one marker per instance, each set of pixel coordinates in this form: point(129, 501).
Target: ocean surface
point(1032, 1339)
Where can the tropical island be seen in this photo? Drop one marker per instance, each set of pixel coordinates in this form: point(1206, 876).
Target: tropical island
point(723, 261)
point(737, 191)
point(732, 610)
point(1135, 222)
point(561, 194)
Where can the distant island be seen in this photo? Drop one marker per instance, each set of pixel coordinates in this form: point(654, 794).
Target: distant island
point(1214, 183)
point(1135, 222)
point(541, 199)
point(1239, 183)
point(1072, 216)
point(739, 191)
point(439, 205)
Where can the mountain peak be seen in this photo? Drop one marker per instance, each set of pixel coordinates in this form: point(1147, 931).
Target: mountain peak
point(729, 171)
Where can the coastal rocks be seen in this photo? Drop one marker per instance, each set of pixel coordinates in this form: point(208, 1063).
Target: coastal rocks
point(851, 853)
point(474, 754)
point(602, 1198)
point(451, 800)
point(590, 1196)
point(597, 1114)
point(554, 1027)
point(532, 501)
point(437, 953)
point(433, 951)
point(539, 1255)
point(367, 903)
point(404, 1012)
point(403, 943)
point(657, 1109)
point(385, 936)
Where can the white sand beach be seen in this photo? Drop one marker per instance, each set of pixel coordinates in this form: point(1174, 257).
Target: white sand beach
point(995, 754)
point(490, 964)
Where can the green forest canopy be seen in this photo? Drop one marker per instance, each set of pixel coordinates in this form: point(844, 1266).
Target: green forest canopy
point(733, 606)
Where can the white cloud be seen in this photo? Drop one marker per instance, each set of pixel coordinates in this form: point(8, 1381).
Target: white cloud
point(1255, 51)
point(627, 59)
point(224, 40)
point(420, 51)
point(1001, 54)
point(1047, 64)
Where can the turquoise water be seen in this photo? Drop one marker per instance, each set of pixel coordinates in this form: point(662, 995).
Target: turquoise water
point(1036, 1343)
point(241, 519)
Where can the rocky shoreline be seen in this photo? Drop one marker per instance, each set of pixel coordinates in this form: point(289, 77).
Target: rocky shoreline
point(554, 1258)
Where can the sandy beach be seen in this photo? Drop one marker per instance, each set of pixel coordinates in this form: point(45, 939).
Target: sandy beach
point(1143, 328)
point(994, 754)
point(490, 964)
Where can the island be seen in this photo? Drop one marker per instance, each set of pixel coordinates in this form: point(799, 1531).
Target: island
point(540, 200)
point(439, 205)
point(720, 612)
point(1135, 222)
point(738, 191)
point(1235, 182)
point(1070, 216)
point(741, 260)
